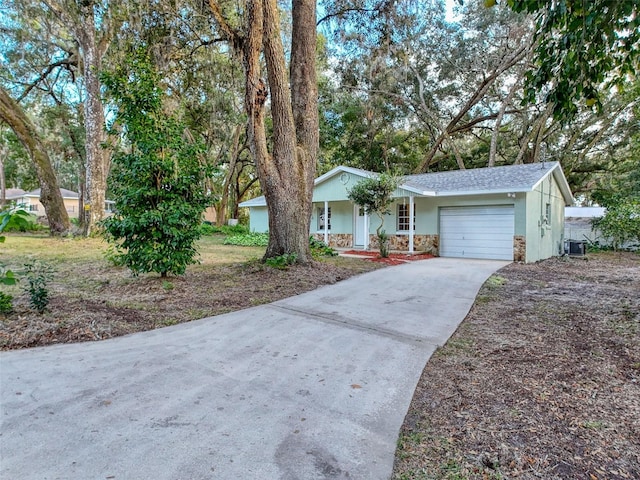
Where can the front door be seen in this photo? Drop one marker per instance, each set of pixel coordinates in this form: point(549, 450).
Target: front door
point(359, 227)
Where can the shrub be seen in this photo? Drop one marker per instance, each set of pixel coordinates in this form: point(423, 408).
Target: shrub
point(621, 222)
point(38, 276)
point(282, 262)
point(158, 181)
point(248, 239)
point(320, 249)
point(207, 229)
point(231, 229)
point(6, 303)
point(16, 219)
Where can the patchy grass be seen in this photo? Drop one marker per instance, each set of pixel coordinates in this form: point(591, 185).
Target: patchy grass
point(91, 299)
point(541, 380)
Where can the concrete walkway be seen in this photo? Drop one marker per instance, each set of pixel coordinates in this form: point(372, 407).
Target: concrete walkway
point(312, 387)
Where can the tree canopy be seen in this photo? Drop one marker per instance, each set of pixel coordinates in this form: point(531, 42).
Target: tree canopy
point(277, 94)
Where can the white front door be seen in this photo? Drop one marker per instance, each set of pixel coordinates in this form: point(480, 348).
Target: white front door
point(359, 227)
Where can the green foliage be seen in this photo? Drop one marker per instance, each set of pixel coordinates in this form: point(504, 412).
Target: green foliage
point(207, 229)
point(375, 195)
point(15, 219)
point(38, 275)
point(230, 229)
point(7, 277)
point(621, 222)
point(581, 48)
point(320, 249)
point(383, 243)
point(12, 217)
point(282, 262)
point(158, 181)
point(252, 239)
point(6, 303)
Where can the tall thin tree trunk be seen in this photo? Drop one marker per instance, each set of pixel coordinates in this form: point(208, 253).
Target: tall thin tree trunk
point(97, 160)
point(3, 184)
point(221, 211)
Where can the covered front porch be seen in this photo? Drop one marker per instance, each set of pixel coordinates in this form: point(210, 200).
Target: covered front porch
point(342, 224)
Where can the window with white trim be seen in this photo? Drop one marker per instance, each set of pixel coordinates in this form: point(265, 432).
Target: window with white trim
point(321, 218)
point(403, 217)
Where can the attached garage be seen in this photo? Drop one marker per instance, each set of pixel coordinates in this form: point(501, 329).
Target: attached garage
point(477, 232)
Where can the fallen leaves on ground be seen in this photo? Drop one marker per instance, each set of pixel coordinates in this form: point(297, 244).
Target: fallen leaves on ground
point(541, 380)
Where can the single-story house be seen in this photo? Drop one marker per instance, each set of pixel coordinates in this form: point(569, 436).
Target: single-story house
point(511, 212)
point(31, 202)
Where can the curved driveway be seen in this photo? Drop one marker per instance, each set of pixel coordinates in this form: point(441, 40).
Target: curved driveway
point(311, 387)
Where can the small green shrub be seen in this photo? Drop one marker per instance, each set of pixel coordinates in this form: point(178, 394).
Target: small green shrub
point(7, 277)
point(320, 249)
point(38, 276)
point(383, 243)
point(282, 262)
point(231, 229)
point(158, 180)
point(16, 219)
point(207, 229)
point(248, 239)
point(6, 303)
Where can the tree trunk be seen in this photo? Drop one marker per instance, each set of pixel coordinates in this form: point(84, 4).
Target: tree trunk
point(3, 184)
point(97, 160)
point(50, 196)
point(286, 175)
point(221, 211)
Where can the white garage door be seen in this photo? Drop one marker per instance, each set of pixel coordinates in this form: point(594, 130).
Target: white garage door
point(477, 232)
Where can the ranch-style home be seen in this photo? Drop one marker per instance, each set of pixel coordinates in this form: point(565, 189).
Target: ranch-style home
point(513, 212)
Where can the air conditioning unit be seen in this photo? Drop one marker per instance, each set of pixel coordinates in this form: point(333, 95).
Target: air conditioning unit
point(575, 247)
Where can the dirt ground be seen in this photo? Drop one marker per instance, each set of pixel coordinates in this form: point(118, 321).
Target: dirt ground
point(541, 380)
point(101, 302)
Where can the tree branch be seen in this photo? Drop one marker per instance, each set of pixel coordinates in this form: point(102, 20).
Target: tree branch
point(71, 61)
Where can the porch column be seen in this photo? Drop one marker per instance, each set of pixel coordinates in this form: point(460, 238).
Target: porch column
point(411, 225)
point(326, 222)
point(366, 231)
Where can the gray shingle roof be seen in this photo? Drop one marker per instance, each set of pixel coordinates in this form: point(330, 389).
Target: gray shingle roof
point(477, 181)
point(63, 191)
point(510, 178)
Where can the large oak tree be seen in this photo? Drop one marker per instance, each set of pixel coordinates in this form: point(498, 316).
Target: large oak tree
point(286, 162)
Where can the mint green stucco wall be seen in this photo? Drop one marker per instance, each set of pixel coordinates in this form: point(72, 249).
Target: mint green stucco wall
point(341, 217)
point(258, 219)
point(334, 189)
point(544, 240)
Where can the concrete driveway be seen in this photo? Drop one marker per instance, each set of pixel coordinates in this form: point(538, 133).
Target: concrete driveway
point(312, 387)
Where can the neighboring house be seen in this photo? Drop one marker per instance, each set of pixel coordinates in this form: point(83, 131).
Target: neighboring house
point(510, 213)
point(31, 202)
point(10, 193)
